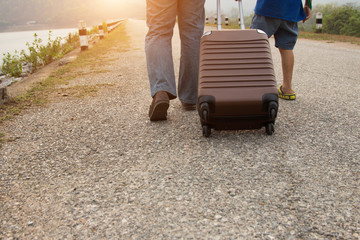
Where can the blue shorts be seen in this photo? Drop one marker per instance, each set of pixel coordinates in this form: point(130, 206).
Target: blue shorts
point(285, 32)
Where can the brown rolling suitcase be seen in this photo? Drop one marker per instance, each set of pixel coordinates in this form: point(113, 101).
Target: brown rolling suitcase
point(237, 85)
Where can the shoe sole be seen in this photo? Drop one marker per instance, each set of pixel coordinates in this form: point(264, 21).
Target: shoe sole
point(159, 112)
point(189, 108)
point(285, 97)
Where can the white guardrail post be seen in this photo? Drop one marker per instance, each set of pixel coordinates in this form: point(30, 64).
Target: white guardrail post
point(84, 42)
point(319, 25)
point(101, 30)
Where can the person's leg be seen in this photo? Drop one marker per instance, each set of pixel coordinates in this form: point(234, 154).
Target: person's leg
point(160, 18)
point(285, 34)
point(285, 40)
point(287, 62)
point(191, 20)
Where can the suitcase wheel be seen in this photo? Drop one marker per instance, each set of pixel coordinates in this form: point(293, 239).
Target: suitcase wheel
point(205, 117)
point(206, 131)
point(270, 128)
point(204, 109)
point(273, 108)
point(273, 114)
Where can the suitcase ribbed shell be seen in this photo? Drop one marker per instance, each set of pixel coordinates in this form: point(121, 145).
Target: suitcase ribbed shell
point(236, 69)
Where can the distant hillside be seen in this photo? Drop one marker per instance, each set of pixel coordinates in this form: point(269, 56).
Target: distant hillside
point(66, 13)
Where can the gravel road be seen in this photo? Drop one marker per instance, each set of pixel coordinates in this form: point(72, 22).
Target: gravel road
point(97, 168)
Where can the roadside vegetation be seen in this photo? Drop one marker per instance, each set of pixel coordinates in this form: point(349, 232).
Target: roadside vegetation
point(38, 54)
point(86, 63)
point(340, 24)
point(338, 20)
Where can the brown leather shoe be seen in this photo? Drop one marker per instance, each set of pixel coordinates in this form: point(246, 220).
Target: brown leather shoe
point(188, 106)
point(159, 106)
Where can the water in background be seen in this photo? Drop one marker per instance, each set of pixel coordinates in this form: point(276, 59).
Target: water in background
point(11, 41)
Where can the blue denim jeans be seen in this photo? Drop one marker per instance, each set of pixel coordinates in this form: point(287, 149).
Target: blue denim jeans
point(161, 17)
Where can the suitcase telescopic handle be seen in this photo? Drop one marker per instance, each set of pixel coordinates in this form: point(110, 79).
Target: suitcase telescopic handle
point(218, 7)
point(241, 11)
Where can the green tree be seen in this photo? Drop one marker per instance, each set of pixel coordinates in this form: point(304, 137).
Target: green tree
point(343, 20)
point(353, 26)
point(325, 9)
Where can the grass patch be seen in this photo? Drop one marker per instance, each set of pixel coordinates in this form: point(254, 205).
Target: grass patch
point(88, 62)
point(81, 91)
point(329, 37)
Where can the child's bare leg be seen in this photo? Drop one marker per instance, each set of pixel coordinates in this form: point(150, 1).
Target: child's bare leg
point(287, 61)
